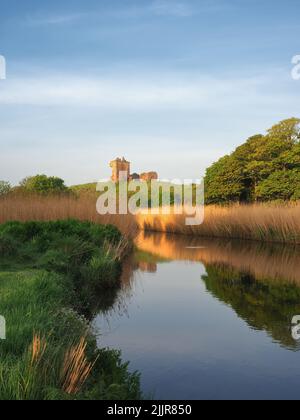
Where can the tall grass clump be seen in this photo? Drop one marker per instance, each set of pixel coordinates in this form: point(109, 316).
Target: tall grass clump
point(76, 368)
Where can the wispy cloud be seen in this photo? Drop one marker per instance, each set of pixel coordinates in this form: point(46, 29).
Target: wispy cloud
point(169, 92)
point(161, 8)
point(39, 20)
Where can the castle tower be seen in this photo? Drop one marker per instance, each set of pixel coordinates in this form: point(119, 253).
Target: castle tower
point(120, 165)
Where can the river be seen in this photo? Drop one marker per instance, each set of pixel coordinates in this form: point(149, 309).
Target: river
point(208, 319)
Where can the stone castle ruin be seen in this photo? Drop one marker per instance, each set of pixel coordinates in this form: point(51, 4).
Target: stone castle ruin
point(122, 165)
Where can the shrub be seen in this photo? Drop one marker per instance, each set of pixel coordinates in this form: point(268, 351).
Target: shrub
point(8, 245)
point(42, 184)
point(5, 188)
point(101, 273)
point(48, 231)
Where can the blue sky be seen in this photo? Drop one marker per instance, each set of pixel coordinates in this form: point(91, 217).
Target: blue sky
point(171, 84)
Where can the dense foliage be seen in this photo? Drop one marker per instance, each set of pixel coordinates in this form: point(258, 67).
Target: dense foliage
point(42, 184)
point(54, 277)
point(265, 168)
point(5, 187)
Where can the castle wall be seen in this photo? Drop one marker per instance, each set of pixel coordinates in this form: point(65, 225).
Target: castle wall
point(119, 165)
point(149, 176)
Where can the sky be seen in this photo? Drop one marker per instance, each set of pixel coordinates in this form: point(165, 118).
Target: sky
point(172, 85)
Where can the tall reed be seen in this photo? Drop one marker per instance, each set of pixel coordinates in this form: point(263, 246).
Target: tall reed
point(23, 207)
point(76, 368)
point(261, 222)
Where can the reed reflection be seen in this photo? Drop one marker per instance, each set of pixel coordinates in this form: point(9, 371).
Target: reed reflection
point(264, 261)
point(260, 283)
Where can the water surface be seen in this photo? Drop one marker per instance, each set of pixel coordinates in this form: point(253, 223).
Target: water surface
point(208, 319)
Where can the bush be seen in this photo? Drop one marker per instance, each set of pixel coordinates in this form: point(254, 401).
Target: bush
point(5, 188)
point(70, 247)
point(8, 245)
point(42, 184)
point(101, 273)
point(47, 232)
point(54, 260)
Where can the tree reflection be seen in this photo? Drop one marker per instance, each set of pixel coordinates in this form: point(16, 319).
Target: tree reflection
point(264, 305)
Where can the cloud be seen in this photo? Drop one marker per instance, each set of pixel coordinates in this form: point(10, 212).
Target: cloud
point(93, 119)
point(156, 7)
point(147, 92)
point(54, 19)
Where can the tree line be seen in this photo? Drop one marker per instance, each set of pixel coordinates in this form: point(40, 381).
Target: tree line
point(38, 184)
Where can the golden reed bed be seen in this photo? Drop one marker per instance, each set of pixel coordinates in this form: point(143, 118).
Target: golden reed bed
point(269, 223)
point(39, 208)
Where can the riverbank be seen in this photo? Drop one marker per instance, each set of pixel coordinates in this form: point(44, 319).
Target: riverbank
point(54, 277)
point(260, 222)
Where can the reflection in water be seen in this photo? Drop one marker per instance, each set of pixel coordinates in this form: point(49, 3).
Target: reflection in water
point(147, 267)
point(259, 282)
point(272, 261)
point(199, 312)
point(264, 306)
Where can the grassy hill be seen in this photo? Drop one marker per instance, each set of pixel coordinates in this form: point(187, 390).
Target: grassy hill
point(82, 188)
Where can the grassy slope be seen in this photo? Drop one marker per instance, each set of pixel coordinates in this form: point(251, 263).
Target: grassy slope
point(91, 187)
point(46, 299)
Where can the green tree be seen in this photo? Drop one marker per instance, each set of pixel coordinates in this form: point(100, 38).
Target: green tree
point(281, 185)
point(287, 131)
point(224, 181)
point(5, 187)
point(290, 159)
point(260, 169)
point(43, 184)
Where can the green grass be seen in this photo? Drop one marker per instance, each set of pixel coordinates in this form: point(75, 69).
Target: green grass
point(82, 188)
point(51, 276)
point(91, 188)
